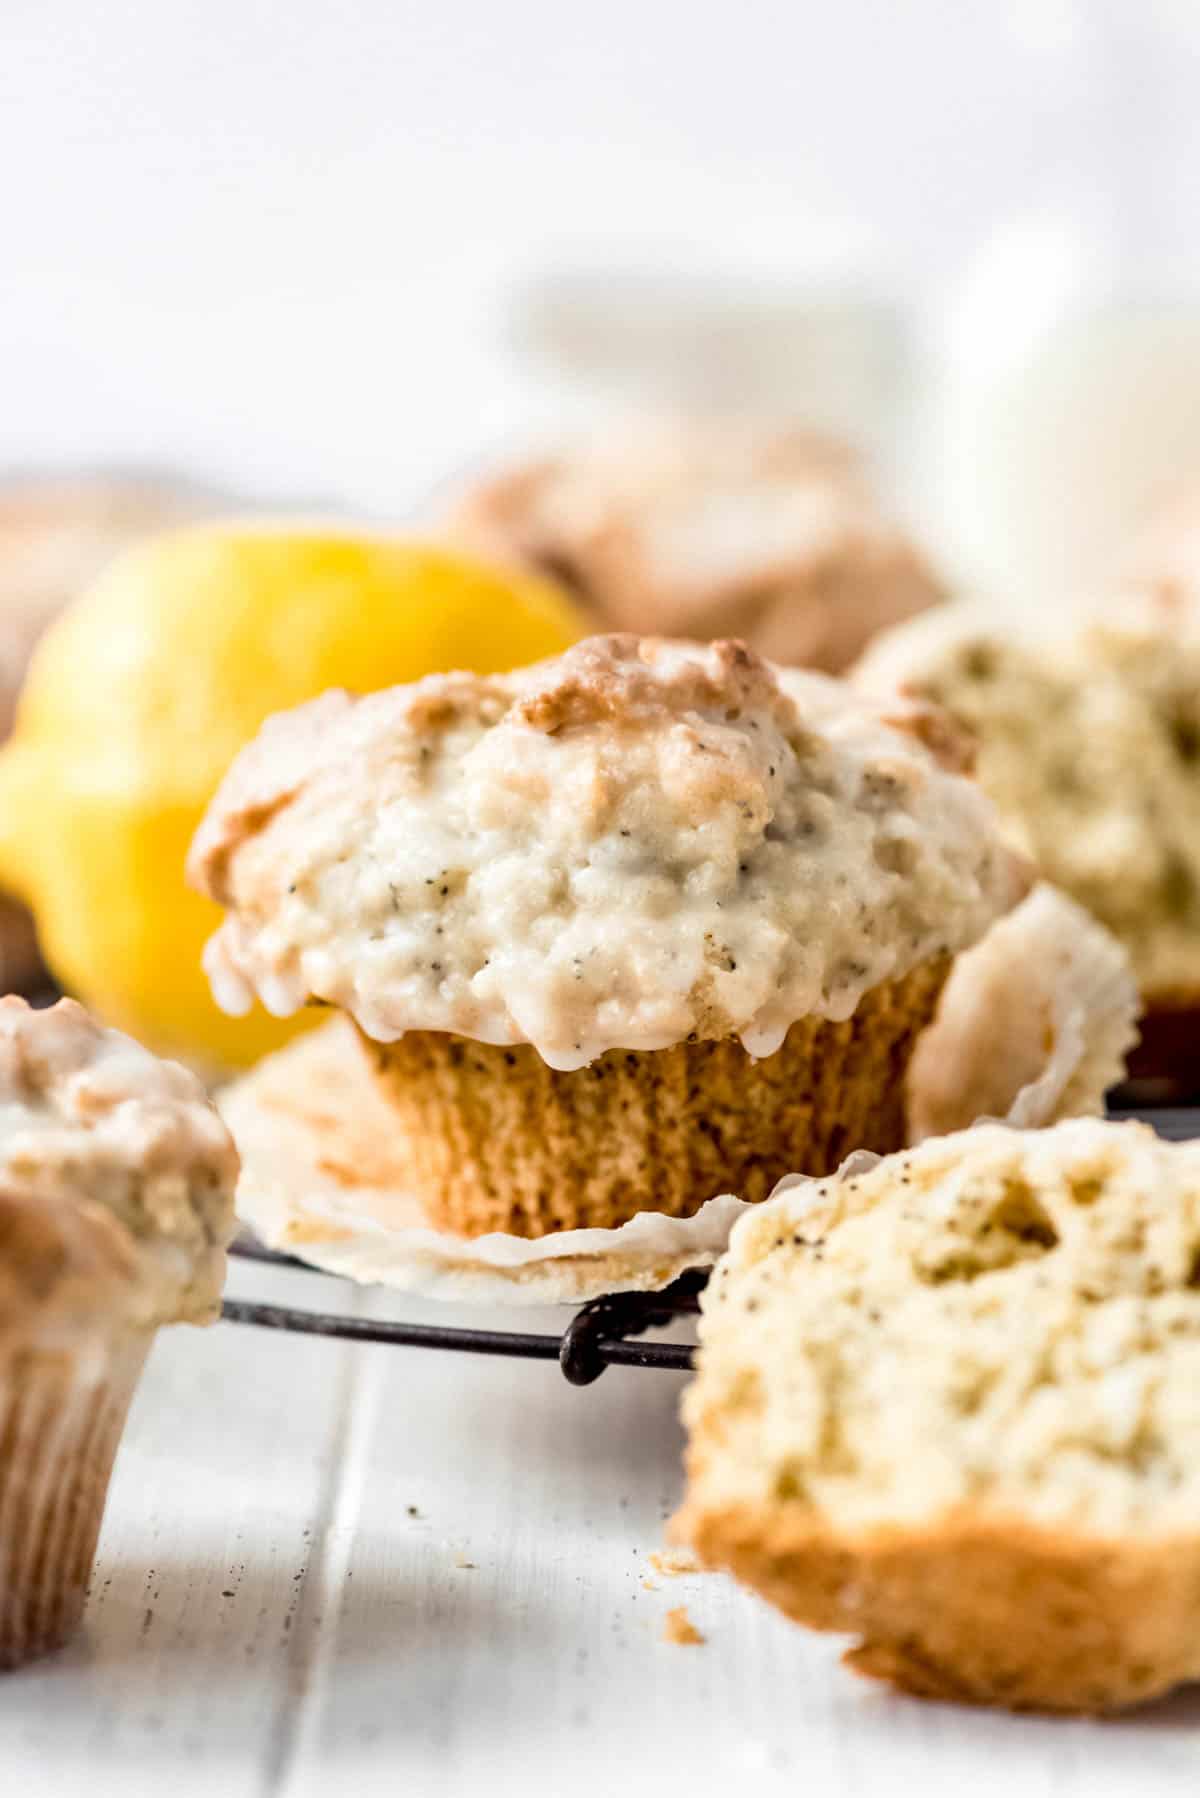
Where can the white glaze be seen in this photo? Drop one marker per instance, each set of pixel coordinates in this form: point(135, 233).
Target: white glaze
point(620, 848)
point(91, 1122)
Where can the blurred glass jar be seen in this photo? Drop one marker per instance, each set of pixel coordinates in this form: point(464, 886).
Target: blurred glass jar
point(618, 338)
point(1063, 400)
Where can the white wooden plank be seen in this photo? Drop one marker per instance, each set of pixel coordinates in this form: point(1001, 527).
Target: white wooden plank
point(185, 1667)
point(543, 1658)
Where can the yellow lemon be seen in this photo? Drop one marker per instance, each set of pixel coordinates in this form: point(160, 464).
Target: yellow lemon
point(143, 691)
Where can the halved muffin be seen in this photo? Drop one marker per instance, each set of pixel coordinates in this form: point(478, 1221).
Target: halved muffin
point(950, 1405)
point(640, 925)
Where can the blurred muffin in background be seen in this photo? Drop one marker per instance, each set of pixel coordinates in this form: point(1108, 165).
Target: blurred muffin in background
point(710, 529)
point(56, 533)
point(1089, 743)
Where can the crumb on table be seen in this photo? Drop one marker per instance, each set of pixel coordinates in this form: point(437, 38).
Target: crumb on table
point(674, 1562)
point(680, 1629)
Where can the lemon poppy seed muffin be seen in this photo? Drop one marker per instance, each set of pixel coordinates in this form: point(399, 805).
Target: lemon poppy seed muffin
point(950, 1405)
point(1088, 740)
point(622, 931)
point(711, 529)
point(116, 1203)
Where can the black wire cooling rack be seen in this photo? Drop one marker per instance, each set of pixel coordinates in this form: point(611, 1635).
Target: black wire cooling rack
point(601, 1334)
point(604, 1333)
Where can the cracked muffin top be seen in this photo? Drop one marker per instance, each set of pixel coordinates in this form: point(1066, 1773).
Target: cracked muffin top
point(116, 1175)
point(633, 844)
point(711, 529)
point(1088, 736)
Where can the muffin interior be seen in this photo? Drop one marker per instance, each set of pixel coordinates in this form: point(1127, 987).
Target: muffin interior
point(997, 1324)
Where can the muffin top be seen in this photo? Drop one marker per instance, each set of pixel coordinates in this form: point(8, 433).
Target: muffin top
point(1002, 1322)
point(1088, 739)
point(116, 1176)
point(634, 844)
point(707, 529)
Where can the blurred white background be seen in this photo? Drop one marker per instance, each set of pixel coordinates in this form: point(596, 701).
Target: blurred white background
point(285, 246)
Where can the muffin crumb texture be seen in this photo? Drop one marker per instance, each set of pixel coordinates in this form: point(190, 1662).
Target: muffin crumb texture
point(951, 1405)
point(638, 844)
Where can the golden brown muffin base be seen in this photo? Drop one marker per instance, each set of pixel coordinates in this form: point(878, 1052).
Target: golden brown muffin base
point(983, 1611)
point(493, 1139)
point(59, 1433)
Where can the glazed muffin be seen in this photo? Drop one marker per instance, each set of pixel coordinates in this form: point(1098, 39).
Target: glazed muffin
point(622, 931)
point(711, 530)
point(950, 1405)
point(116, 1202)
point(1089, 743)
point(56, 534)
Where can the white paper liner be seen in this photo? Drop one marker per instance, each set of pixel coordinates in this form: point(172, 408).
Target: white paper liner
point(310, 1128)
point(1033, 1024)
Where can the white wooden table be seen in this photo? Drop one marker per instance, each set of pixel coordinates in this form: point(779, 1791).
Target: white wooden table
point(331, 1568)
